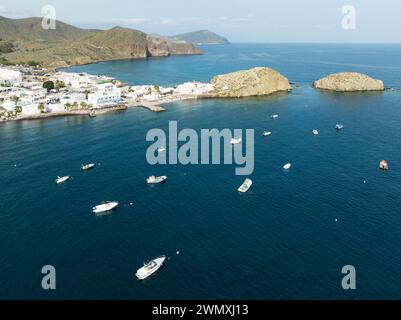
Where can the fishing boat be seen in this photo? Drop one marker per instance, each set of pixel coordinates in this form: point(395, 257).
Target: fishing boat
point(155, 180)
point(61, 180)
point(287, 166)
point(315, 132)
point(85, 167)
point(267, 134)
point(105, 206)
point(235, 141)
point(339, 126)
point(384, 165)
point(245, 186)
point(150, 268)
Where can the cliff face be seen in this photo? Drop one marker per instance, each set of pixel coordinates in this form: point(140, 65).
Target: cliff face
point(68, 45)
point(159, 47)
point(349, 81)
point(253, 82)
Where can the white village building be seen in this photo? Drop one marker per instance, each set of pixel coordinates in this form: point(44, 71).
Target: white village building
point(10, 77)
point(106, 94)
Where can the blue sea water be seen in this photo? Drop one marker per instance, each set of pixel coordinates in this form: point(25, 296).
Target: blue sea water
point(288, 238)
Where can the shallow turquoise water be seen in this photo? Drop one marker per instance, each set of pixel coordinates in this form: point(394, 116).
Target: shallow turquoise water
point(279, 241)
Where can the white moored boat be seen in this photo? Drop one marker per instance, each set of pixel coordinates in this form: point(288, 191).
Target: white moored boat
point(245, 186)
point(85, 167)
point(60, 180)
point(287, 166)
point(315, 132)
point(150, 268)
point(274, 116)
point(105, 206)
point(236, 141)
point(339, 126)
point(155, 180)
point(267, 134)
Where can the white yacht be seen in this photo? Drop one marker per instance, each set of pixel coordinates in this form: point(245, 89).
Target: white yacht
point(315, 132)
point(274, 116)
point(287, 166)
point(267, 134)
point(105, 206)
point(235, 141)
point(150, 268)
point(60, 180)
point(245, 186)
point(85, 167)
point(156, 180)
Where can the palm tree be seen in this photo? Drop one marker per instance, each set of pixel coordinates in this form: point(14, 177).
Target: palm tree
point(15, 99)
point(87, 94)
point(41, 107)
point(68, 106)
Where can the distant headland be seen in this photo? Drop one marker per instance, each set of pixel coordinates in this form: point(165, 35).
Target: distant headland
point(24, 41)
point(201, 37)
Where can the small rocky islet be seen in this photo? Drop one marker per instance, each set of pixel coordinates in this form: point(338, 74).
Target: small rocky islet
point(349, 82)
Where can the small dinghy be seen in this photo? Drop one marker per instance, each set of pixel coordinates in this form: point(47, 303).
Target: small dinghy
point(267, 134)
point(156, 180)
point(339, 126)
point(235, 141)
point(105, 207)
point(61, 180)
point(150, 268)
point(315, 132)
point(287, 166)
point(85, 167)
point(245, 186)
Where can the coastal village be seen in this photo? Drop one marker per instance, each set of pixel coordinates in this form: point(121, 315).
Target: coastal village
point(31, 92)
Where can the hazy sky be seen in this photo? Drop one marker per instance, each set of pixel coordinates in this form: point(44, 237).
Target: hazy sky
point(239, 20)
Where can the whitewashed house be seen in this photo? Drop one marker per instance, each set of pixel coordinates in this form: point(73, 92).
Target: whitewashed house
point(9, 77)
point(106, 94)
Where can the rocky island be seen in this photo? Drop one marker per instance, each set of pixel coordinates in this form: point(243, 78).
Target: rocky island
point(349, 82)
point(246, 83)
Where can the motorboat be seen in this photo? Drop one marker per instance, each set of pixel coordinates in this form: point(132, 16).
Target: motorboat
point(384, 165)
point(267, 134)
point(245, 186)
point(85, 167)
point(150, 268)
point(287, 166)
point(275, 116)
point(61, 180)
point(235, 141)
point(315, 132)
point(339, 126)
point(105, 206)
point(155, 180)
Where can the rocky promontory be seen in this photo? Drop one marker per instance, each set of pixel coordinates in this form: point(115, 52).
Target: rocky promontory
point(348, 82)
point(246, 83)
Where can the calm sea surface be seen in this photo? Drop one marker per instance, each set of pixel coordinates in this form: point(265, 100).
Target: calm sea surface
point(288, 238)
